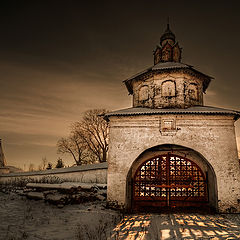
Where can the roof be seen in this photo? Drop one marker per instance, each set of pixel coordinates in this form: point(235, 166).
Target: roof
point(166, 66)
point(168, 34)
point(170, 65)
point(201, 110)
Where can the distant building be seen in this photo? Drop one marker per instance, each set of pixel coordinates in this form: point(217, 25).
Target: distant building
point(169, 150)
point(3, 164)
point(2, 157)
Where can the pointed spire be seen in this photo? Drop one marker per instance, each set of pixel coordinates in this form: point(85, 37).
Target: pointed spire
point(168, 35)
point(168, 28)
point(2, 157)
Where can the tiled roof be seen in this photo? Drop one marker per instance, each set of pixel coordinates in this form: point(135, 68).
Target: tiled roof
point(159, 111)
point(163, 66)
point(168, 65)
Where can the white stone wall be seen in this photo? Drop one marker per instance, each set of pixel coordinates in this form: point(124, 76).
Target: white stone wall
point(94, 173)
point(213, 136)
point(179, 90)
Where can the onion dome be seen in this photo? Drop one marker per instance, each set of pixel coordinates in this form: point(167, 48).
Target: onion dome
point(168, 50)
point(167, 35)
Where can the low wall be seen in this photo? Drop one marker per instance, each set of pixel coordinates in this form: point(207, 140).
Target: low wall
point(92, 173)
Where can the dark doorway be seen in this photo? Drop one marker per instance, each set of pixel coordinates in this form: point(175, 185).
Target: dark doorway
point(169, 182)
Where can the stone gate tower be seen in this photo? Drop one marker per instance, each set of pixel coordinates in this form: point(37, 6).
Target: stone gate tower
point(169, 150)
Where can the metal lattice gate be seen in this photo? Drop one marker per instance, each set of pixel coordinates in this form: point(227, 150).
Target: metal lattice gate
point(169, 181)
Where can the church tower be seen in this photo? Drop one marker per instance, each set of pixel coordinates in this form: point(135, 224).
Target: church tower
point(169, 150)
point(169, 83)
point(168, 50)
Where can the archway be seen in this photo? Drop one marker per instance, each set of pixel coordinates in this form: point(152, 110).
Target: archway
point(171, 177)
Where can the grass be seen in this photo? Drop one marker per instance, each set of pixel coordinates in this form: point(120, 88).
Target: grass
point(99, 230)
point(21, 182)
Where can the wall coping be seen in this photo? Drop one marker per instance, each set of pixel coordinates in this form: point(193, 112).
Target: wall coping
point(81, 168)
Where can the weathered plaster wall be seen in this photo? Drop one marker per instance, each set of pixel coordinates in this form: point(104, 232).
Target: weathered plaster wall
point(211, 136)
point(94, 173)
point(168, 90)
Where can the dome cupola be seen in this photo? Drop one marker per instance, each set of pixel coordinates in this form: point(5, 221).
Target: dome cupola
point(168, 50)
point(167, 36)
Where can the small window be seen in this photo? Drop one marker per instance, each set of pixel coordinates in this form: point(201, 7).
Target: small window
point(193, 91)
point(143, 93)
point(168, 89)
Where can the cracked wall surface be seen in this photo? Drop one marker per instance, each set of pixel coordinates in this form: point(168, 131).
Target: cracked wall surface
point(213, 136)
point(164, 90)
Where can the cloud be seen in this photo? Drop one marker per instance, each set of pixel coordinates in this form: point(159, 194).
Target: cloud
point(24, 148)
point(57, 65)
point(37, 107)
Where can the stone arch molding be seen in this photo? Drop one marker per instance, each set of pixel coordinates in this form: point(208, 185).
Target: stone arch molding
point(143, 93)
point(182, 151)
point(193, 91)
point(168, 88)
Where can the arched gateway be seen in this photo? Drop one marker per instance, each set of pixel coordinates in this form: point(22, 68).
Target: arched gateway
point(169, 181)
point(171, 177)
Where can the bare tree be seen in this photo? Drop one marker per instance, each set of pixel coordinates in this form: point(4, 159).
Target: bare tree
point(44, 163)
point(88, 141)
point(93, 130)
point(31, 167)
point(74, 146)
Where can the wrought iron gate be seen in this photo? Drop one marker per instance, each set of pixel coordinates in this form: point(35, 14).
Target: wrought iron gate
point(169, 181)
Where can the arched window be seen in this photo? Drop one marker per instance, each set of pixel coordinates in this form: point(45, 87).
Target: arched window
point(193, 91)
point(168, 88)
point(167, 53)
point(143, 93)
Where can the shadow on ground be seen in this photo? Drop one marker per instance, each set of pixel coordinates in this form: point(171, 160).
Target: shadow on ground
point(178, 226)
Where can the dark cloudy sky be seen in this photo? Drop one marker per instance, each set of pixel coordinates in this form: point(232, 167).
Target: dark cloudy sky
point(60, 58)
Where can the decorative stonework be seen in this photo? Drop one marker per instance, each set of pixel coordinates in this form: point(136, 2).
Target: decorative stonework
point(168, 50)
point(168, 126)
point(169, 83)
point(168, 88)
point(193, 91)
point(143, 93)
point(176, 90)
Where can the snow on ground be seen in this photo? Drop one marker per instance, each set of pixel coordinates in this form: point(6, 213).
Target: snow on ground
point(21, 219)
